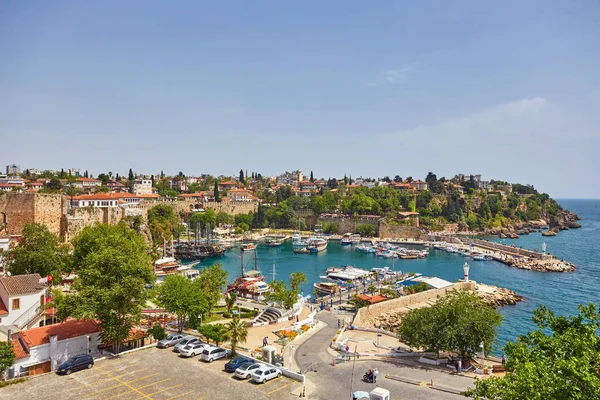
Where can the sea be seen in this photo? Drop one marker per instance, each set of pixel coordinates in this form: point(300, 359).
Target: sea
point(561, 292)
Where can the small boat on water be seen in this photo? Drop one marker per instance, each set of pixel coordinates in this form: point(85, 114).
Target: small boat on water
point(347, 273)
point(301, 250)
point(317, 245)
point(482, 257)
point(248, 247)
point(327, 288)
point(274, 241)
point(346, 239)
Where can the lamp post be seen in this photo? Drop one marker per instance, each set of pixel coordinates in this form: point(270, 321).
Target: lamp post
point(200, 318)
point(466, 271)
point(482, 356)
point(544, 248)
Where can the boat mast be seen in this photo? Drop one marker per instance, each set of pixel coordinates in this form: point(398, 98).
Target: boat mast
point(273, 271)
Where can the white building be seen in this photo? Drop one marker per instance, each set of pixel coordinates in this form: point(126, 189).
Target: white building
point(290, 178)
point(22, 300)
point(43, 349)
point(104, 200)
point(142, 186)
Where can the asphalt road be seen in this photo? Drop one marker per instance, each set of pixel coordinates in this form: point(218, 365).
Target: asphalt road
point(340, 381)
point(153, 374)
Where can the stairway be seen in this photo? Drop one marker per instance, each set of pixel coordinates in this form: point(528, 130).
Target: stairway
point(269, 315)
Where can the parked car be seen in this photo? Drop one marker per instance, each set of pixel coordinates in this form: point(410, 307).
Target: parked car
point(193, 349)
point(245, 370)
point(169, 341)
point(184, 342)
point(76, 363)
point(265, 373)
point(211, 354)
point(236, 362)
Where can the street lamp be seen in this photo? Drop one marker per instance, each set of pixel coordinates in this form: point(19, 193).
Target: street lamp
point(482, 356)
point(466, 271)
point(200, 318)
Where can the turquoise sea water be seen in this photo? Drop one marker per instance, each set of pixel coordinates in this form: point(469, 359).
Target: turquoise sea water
point(562, 292)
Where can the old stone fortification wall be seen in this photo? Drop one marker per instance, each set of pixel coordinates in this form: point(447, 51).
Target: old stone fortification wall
point(367, 315)
point(79, 218)
point(395, 231)
point(231, 208)
point(349, 224)
point(27, 208)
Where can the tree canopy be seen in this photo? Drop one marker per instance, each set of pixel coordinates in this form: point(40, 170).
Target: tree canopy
point(560, 360)
point(113, 268)
point(459, 322)
point(7, 356)
point(161, 222)
point(182, 297)
point(40, 252)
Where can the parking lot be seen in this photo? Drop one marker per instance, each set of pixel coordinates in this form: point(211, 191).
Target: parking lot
point(154, 374)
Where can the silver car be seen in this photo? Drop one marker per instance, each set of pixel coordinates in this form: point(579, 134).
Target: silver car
point(246, 370)
point(265, 373)
point(193, 349)
point(184, 342)
point(169, 341)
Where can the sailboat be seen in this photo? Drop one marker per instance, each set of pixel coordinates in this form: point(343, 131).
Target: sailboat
point(250, 283)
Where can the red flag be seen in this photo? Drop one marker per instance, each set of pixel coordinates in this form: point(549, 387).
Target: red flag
point(49, 277)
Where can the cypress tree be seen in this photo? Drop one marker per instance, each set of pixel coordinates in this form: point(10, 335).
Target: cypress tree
point(312, 178)
point(216, 192)
point(130, 174)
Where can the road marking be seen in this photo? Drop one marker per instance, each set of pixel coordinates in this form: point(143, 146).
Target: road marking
point(141, 387)
point(266, 383)
point(120, 384)
point(163, 390)
point(128, 385)
point(179, 395)
point(143, 377)
point(284, 386)
point(133, 372)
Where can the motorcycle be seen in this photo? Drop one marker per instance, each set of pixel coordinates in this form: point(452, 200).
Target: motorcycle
point(368, 377)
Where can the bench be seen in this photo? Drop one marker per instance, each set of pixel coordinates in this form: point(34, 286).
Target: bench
point(498, 368)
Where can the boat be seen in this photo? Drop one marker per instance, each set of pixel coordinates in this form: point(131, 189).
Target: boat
point(346, 273)
point(327, 288)
point(301, 250)
point(355, 239)
point(274, 241)
point(317, 245)
point(482, 257)
point(248, 247)
point(346, 239)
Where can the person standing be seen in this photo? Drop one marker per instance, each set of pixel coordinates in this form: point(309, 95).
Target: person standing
point(459, 365)
point(503, 359)
point(375, 373)
point(265, 341)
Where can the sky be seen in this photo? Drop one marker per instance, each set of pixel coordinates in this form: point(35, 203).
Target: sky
point(507, 89)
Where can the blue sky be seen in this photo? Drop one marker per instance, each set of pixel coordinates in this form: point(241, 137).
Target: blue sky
point(507, 89)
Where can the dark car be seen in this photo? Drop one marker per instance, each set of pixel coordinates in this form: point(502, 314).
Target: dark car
point(76, 363)
point(235, 363)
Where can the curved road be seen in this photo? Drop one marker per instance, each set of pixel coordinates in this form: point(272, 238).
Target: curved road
point(335, 382)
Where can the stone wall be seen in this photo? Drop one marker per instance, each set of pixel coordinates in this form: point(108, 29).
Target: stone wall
point(367, 315)
point(79, 218)
point(350, 224)
point(231, 208)
point(395, 231)
point(27, 208)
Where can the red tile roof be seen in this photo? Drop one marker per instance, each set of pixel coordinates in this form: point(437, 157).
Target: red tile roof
point(18, 349)
point(17, 285)
point(87, 180)
point(3, 309)
point(372, 299)
point(105, 196)
point(65, 330)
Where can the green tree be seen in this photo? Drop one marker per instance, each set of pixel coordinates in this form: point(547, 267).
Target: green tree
point(40, 252)
point(230, 300)
point(161, 222)
point(296, 279)
point(113, 267)
point(242, 176)
point(180, 296)
point(312, 178)
point(130, 176)
point(236, 332)
point(365, 230)
point(54, 185)
point(560, 360)
point(458, 322)
point(212, 281)
point(214, 332)
point(7, 356)
point(157, 332)
point(216, 192)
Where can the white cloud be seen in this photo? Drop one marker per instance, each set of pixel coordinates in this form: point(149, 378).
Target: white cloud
point(393, 76)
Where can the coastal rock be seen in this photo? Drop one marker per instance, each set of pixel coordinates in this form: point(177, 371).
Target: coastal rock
point(573, 225)
point(549, 232)
point(496, 296)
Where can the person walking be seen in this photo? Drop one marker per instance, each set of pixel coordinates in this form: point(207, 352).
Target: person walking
point(375, 373)
point(503, 359)
point(459, 366)
point(265, 341)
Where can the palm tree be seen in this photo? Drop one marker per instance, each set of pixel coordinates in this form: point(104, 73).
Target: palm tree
point(236, 333)
point(230, 300)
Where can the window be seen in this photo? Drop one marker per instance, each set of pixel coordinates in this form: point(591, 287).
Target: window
point(16, 304)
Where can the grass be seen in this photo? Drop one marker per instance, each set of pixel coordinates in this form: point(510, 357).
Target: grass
point(11, 382)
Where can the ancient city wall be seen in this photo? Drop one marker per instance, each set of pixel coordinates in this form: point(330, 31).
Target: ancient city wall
point(350, 224)
point(27, 208)
point(395, 231)
point(366, 315)
point(231, 208)
point(79, 218)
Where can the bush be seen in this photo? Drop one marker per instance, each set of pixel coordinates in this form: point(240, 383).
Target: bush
point(226, 315)
point(157, 332)
point(365, 230)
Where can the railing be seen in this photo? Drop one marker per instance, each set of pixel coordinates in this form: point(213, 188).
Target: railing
point(28, 316)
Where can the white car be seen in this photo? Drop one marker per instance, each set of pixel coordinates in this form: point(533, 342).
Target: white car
point(212, 353)
point(245, 371)
point(265, 373)
point(184, 342)
point(193, 349)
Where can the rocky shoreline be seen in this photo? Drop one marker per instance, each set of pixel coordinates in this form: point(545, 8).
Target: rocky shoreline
point(496, 296)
